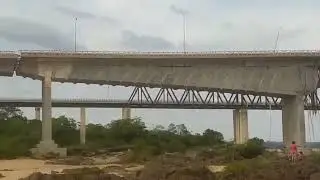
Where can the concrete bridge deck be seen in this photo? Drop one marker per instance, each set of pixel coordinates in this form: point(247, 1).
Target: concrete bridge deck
point(264, 72)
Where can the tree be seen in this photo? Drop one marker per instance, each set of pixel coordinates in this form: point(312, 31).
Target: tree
point(127, 129)
point(182, 130)
point(65, 131)
point(17, 131)
point(257, 141)
point(10, 112)
point(159, 128)
point(253, 148)
point(172, 128)
point(212, 136)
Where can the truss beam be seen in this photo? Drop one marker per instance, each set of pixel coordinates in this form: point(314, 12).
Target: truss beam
point(188, 97)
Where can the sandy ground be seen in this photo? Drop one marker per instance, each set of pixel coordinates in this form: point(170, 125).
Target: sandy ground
point(20, 168)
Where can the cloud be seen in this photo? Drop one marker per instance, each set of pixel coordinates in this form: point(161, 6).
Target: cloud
point(287, 34)
point(178, 10)
point(24, 31)
point(84, 15)
point(145, 42)
point(75, 13)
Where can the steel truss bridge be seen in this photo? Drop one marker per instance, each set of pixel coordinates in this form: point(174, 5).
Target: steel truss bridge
point(167, 98)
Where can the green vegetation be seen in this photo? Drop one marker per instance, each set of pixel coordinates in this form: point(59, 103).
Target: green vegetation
point(18, 135)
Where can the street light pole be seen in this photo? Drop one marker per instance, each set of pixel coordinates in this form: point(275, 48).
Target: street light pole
point(276, 42)
point(184, 32)
point(183, 13)
point(75, 33)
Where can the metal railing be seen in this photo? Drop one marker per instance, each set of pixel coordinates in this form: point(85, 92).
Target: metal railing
point(166, 53)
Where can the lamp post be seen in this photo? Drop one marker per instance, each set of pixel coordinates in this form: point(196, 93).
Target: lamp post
point(276, 41)
point(184, 31)
point(183, 13)
point(75, 34)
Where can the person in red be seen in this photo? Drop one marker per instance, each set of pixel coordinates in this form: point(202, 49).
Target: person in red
point(293, 149)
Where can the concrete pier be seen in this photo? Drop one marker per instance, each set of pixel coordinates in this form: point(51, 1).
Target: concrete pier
point(46, 108)
point(240, 126)
point(126, 113)
point(47, 145)
point(83, 125)
point(293, 122)
point(37, 113)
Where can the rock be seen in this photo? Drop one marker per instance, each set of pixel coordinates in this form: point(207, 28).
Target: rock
point(93, 170)
point(47, 177)
point(79, 175)
point(98, 161)
point(112, 160)
point(34, 176)
point(216, 169)
point(54, 172)
point(191, 154)
point(135, 168)
point(6, 170)
point(77, 160)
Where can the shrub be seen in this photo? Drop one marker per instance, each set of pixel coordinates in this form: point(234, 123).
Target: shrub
point(242, 169)
point(18, 135)
point(239, 169)
point(251, 149)
point(315, 157)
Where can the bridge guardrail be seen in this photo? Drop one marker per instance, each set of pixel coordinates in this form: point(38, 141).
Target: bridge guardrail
point(177, 53)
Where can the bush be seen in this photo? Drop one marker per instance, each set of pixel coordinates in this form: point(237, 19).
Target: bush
point(257, 141)
point(251, 149)
point(315, 157)
point(242, 169)
point(237, 169)
point(18, 135)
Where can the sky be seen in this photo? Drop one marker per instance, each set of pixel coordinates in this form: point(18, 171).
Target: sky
point(153, 25)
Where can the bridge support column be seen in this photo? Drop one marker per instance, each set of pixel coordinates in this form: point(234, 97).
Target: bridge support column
point(240, 126)
point(37, 113)
point(83, 125)
point(47, 145)
point(293, 123)
point(126, 113)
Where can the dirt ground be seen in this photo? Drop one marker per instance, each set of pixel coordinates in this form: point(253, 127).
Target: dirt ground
point(167, 167)
point(200, 169)
point(20, 168)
